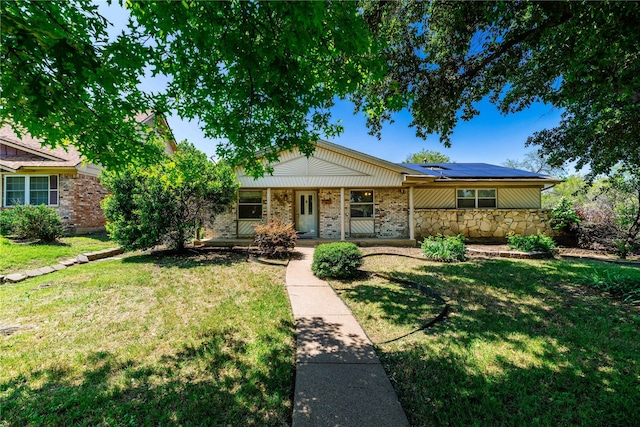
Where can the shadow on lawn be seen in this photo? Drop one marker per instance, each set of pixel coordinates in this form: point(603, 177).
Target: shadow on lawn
point(523, 345)
point(210, 383)
point(189, 258)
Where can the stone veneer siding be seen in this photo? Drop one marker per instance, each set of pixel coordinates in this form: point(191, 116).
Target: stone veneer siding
point(481, 223)
point(392, 217)
point(79, 202)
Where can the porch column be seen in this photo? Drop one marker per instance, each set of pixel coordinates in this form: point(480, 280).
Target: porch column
point(268, 204)
point(342, 213)
point(411, 218)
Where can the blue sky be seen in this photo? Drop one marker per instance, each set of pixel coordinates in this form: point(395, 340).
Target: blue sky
point(488, 138)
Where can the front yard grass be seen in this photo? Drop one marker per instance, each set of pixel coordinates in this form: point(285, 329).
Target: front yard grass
point(17, 256)
point(524, 344)
point(178, 340)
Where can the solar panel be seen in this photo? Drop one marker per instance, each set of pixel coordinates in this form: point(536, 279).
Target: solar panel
point(470, 170)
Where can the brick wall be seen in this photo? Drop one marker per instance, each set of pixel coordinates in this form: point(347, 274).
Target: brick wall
point(281, 204)
point(79, 203)
point(223, 226)
point(391, 213)
point(329, 213)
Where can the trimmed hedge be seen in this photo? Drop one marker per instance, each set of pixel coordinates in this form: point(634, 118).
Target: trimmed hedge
point(339, 260)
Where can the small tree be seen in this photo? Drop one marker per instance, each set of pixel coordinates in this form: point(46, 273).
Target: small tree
point(536, 162)
point(166, 203)
point(563, 215)
point(427, 156)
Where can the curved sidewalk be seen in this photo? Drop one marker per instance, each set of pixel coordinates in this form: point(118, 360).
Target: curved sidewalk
point(339, 378)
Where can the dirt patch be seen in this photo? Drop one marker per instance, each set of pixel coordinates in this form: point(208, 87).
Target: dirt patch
point(10, 330)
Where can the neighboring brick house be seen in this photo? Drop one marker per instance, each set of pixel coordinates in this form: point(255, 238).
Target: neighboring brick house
point(342, 194)
point(33, 174)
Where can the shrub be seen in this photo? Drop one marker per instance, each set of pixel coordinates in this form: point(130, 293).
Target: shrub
point(275, 238)
point(444, 248)
point(339, 260)
point(618, 284)
point(563, 215)
point(31, 222)
point(538, 243)
point(7, 219)
point(166, 202)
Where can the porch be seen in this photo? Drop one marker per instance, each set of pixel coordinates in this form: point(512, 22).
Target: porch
point(364, 242)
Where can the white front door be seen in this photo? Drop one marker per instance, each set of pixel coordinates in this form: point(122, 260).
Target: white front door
point(306, 213)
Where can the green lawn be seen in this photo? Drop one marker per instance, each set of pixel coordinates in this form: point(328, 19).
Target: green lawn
point(524, 344)
point(194, 340)
point(15, 257)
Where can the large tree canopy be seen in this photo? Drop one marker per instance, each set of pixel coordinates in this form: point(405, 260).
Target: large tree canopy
point(261, 74)
point(582, 57)
point(264, 75)
point(64, 81)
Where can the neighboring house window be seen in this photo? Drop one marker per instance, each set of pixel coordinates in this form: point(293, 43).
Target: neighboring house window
point(476, 198)
point(362, 204)
point(250, 204)
point(30, 190)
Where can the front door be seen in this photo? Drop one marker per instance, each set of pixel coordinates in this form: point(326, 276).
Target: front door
point(306, 213)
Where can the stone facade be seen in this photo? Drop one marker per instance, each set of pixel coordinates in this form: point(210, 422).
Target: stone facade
point(79, 203)
point(392, 217)
point(489, 224)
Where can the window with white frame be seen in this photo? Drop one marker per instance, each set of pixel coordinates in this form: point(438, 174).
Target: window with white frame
point(472, 198)
point(30, 190)
point(250, 204)
point(361, 203)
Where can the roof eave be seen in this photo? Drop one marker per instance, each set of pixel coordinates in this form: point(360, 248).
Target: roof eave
point(424, 179)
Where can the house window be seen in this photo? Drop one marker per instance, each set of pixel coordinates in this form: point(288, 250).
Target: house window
point(30, 190)
point(362, 204)
point(476, 198)
point(250, 205)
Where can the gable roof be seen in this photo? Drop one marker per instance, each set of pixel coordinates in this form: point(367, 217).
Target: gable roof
point(332, 165)
point(28, 152)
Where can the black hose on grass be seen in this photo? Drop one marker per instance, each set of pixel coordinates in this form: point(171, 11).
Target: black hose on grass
point(419, 286)
point(439, 318)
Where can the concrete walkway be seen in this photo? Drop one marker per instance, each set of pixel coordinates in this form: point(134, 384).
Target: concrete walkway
point(339, 379)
